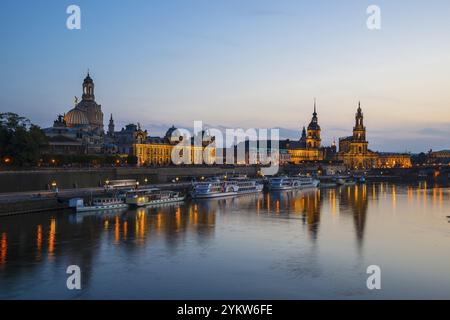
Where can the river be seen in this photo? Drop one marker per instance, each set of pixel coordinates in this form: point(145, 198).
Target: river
point(279, 245)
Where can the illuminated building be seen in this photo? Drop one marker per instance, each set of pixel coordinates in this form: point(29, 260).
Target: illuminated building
point(79, 131)
point(158, 151)
point(355, 154)
point(308, 148)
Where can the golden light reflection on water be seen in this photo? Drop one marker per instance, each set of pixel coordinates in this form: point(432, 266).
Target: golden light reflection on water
point(52, 238)
point(39, 241)
point(116, 230)
point(394, 197)
point(125, 230)
point(175, 220)
point(3, 249)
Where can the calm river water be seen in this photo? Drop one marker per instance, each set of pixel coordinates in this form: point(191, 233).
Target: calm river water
point(286, 245)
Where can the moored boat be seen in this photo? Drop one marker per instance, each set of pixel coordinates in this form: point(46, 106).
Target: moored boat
point(154, 196)
point(246, 185)
point(346, 181)
point(282, 183)
point(290, 183)
point(97, 204)
point(213, 188)
point(306, 182)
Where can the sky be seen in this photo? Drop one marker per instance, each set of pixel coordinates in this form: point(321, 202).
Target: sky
point(237, 63)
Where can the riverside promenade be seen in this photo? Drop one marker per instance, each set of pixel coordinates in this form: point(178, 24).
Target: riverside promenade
point(30, 191)
point(38, 201)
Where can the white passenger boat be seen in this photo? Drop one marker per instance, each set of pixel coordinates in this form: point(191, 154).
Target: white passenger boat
point(346, 181)
point(97, 204)
point(290, 183)
point(213, 188)
point(306, 182)
point(246, 185)
point(154, 196)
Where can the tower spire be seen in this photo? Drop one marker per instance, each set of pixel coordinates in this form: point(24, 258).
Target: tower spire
point(315, 112)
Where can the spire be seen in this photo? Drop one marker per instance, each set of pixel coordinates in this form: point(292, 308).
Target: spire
point(303, 137)
point(111, 126)
point(315, 112)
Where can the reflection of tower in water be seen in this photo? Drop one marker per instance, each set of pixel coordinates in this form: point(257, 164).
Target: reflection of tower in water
point(304, 203)
point(355, 199)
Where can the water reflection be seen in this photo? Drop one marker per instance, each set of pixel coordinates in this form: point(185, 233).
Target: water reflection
point(34, 242)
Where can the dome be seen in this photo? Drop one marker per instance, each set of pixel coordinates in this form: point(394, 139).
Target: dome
point(173, 135)
point(170, 132)
point(76, 117)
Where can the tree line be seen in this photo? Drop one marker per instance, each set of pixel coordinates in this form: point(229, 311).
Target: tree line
point(21, 142)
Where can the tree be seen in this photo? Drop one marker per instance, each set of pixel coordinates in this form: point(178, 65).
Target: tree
point(20, 140)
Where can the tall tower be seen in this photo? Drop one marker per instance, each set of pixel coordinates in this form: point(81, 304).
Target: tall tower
point(88, 105)
point(313, 135)
point(88, 88)
point(359, 143)
point(111, 126)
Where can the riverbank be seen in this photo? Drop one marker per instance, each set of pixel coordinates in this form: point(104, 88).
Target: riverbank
point(31, 206)
point(74, 178)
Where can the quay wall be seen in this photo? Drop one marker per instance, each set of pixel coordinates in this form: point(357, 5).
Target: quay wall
point(36, 180)
point(30, 206)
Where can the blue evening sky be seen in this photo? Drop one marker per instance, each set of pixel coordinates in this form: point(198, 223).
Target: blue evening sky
point(236, 63)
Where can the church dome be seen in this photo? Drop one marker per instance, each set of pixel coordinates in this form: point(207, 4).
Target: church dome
point(173, 135)
point(170, 132)
point(76, 117)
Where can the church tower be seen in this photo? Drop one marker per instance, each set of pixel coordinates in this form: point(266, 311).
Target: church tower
point(88, 88)
point(313, 134)
point(111, 126)
point(92, 110)
point(359, 143)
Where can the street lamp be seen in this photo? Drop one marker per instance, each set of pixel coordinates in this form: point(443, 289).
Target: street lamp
point(54, 186)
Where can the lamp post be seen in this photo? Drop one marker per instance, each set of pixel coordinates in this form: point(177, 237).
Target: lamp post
point(54, 186)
